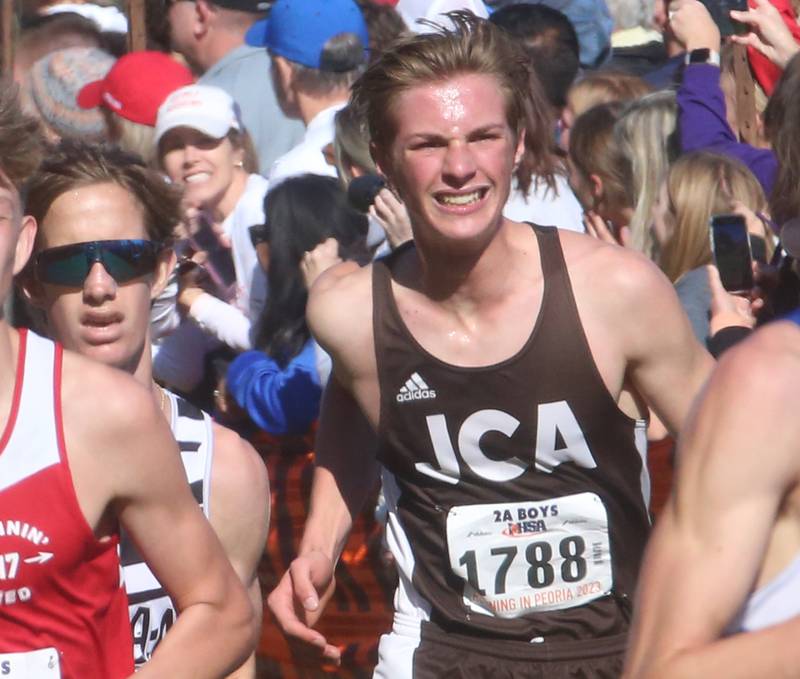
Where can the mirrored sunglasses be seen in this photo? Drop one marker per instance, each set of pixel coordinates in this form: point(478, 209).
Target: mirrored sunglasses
point(124, 260)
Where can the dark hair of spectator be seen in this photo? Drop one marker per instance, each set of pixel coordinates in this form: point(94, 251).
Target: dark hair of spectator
point(74, 164)
point(21, 143)
point(476, 46)
point(782, 126)
point(302, 212)
point(384, 25)
point(551, 42)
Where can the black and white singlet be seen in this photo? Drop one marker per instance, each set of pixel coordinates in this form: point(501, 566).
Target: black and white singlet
point(151, 610)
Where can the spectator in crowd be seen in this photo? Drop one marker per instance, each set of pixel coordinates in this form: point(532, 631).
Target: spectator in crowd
point(105, 15)
point(352, 159)
point(597, 87)
point(636, 46)
point(667, 75)
point(129, 97)
point(592, 23)
point(704, 119)
point(597, 174)
point(318, 49)
point(202, 147)
point(309, 227)
point(648, 142)
point(49, 91)
point(59, 32)
point(104, 205)
point(700, 185)
point(550, 41)
point(384, 25)
point(210, 34)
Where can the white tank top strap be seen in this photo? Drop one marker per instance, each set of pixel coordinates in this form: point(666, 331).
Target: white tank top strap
point(33, 442)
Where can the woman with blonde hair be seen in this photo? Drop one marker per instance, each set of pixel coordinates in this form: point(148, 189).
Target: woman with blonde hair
point(700, 185)
point(645, 134)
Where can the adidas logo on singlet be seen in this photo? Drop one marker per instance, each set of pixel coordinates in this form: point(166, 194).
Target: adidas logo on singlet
point(415, 389)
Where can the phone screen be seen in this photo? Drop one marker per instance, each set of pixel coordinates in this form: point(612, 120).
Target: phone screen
point(730, 245)
point(720, 13)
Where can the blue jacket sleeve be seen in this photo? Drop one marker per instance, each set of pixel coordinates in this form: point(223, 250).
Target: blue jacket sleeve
point(703, 125)
point(279, 400)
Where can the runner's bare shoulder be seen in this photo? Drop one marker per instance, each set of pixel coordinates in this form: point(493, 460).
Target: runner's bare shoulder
point(339, 307)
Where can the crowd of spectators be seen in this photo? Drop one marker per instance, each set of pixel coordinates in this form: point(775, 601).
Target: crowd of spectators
point(659, 121)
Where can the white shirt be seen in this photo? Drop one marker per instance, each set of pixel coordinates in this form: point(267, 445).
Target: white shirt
point(307, 156)
point(231, 323)
point(543, 206)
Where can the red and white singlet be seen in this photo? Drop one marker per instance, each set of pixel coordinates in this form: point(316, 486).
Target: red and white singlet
point(63, 612)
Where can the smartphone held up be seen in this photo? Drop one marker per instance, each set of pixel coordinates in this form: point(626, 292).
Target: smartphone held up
point(730, 248)
point(720, 11)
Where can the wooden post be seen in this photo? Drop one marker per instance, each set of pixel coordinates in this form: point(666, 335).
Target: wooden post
point(7, 36)
point(137, 25)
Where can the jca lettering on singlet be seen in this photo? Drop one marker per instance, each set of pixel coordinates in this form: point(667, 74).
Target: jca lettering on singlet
point(555, 420)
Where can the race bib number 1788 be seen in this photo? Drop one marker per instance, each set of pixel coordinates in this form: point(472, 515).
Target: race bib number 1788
point(523, 557)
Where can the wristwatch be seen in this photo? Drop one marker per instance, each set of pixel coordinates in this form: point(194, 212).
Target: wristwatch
point(702, 55)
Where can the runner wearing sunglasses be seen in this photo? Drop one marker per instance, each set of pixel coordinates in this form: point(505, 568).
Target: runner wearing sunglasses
point(101, 255)
point(84, 449)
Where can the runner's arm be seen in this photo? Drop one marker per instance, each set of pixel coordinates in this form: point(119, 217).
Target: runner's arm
point(214, 631)
point(737, 459)
point(666, 363)
point(344, 474)
point(239, 514)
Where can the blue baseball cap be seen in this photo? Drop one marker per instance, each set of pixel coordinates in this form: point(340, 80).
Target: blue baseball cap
point(298, 29)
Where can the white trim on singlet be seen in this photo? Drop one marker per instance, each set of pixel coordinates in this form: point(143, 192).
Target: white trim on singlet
point(196, 466)
point(640, 441)
point(33, 443)
point(772, 604)
point(396, 649)
point(150, 609)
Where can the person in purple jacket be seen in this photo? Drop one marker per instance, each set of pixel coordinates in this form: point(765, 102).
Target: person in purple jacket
point(701, 101)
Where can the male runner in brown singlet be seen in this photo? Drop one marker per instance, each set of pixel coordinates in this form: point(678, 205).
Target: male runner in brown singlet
point(505, 369)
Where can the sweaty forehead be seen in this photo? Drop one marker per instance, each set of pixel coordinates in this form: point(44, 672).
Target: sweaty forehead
point(468, 99)
point(103, 211)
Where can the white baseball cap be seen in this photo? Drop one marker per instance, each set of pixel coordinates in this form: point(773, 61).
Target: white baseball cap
point(207, 109)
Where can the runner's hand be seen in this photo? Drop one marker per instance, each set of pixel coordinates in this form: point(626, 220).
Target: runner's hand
point(299, 600)
point(768, 33)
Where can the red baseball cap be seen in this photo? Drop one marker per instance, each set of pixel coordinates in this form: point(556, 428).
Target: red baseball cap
point(137, 84)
